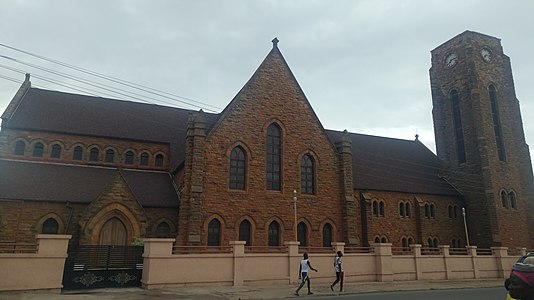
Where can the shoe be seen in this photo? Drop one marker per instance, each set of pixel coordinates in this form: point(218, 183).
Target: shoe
point(332, 288)
point(297, 293)
point(341, 291)
point(310, 293)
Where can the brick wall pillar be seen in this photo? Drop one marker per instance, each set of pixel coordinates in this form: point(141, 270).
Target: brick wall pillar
point(238, 249)
point(417, 257)
point(154, 248)
point(383, 262)
point(53, 244)
point(338, 246)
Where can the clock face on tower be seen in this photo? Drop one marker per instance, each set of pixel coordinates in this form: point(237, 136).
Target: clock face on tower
point(451, 59)
point(486, 54)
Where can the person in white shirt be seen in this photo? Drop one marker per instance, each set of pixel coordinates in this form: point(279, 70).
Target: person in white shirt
point(339, 272)
point(305, 265)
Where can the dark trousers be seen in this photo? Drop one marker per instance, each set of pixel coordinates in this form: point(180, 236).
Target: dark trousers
point(339, 278)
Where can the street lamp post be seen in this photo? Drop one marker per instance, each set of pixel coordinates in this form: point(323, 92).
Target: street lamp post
point(295, 209)
point(465, 226)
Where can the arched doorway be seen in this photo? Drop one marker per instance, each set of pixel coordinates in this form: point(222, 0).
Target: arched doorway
point(114, 233)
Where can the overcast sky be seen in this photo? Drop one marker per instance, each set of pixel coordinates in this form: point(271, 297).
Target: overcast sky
point(362, 64)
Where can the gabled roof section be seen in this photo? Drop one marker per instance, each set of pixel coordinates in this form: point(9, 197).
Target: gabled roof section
point(388, 164)
point(268, 74)
point(60, 112)
point(31, 181)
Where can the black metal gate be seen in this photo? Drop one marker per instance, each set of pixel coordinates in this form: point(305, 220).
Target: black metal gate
point(99, 266)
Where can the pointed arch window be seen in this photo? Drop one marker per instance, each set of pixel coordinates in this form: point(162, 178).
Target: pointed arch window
point(38, 149)
point(214, 233)
point(504, 199)
point(513, 203)
point(78, 153)
point(237, 169)
point(55, 151)
point(50, 226)
point(302, 234)
point(274, 158)
point(381, 209)
point(245, 232)
point(327, 235)
point(20, 147)
point(307, 175)
point(496, 123)
point(93, 154)
point(274, 234)
point(110, 156)
point(458, 129)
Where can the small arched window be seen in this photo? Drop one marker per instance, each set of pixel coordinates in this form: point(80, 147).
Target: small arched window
point(129, 158)
point(432, 210)
point(408, 210)
point(381, 209)
point(307, 180)
point(38, 149)
point(302, 233)
point(163, 230)
point(375, 208)
point(513, 203)
point(504, 199)
point(450, 209)
point(274, 234)
point(20, 147)
point(238, 169)
point(93, 154)
point(56, 151)
point(377, 240)
point(245, 232)
point(110, 156)
point(327, 235)
point(455, 211)
point(159, 160)
point(383, 240)
point(77, 154)
point(143, 161)
point(402, 210)
point(427, 210)
point(214, 232)
point(50, 226)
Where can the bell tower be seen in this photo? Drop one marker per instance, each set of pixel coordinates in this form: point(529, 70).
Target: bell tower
point(480, 139)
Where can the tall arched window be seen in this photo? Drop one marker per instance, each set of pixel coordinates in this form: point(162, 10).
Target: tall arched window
point(50, 226)
point(274, 234)
point(432, 210)
point(302, 234)
point(381, 209)
point(427, 210)
point(20, 147)
point(93, 154)
point(504, 199)
point(458, 129)
point(38, 150)
point(408, 210)
point(245, 232)
point(307, 175)
point(110, 156)
point(143, 161)
point(402, 209)
point(237, 169)
point(511, 196)
point(129, 158)
point(327, 235)
point(214, 233)
point(159, 160)
point(274, 158)
point(375, 208)
point(496, 123)
point(56, 151)
point(77, 154)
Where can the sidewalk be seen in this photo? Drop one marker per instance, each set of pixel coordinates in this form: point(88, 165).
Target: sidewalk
point(248, 292)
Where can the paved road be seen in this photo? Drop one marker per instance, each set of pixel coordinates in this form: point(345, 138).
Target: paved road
point(456, 294)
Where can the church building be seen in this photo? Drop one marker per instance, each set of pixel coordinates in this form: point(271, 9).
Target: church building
point(266, 171)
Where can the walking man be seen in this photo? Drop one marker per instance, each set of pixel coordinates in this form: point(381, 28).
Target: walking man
point(304, 268)
point(339, 272)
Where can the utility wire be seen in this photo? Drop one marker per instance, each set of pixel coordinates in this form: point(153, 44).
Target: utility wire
point(117, 80)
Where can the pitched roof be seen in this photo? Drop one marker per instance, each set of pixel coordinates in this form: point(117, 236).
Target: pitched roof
point(388, 164)
point(22, 180)
point(60, 112)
